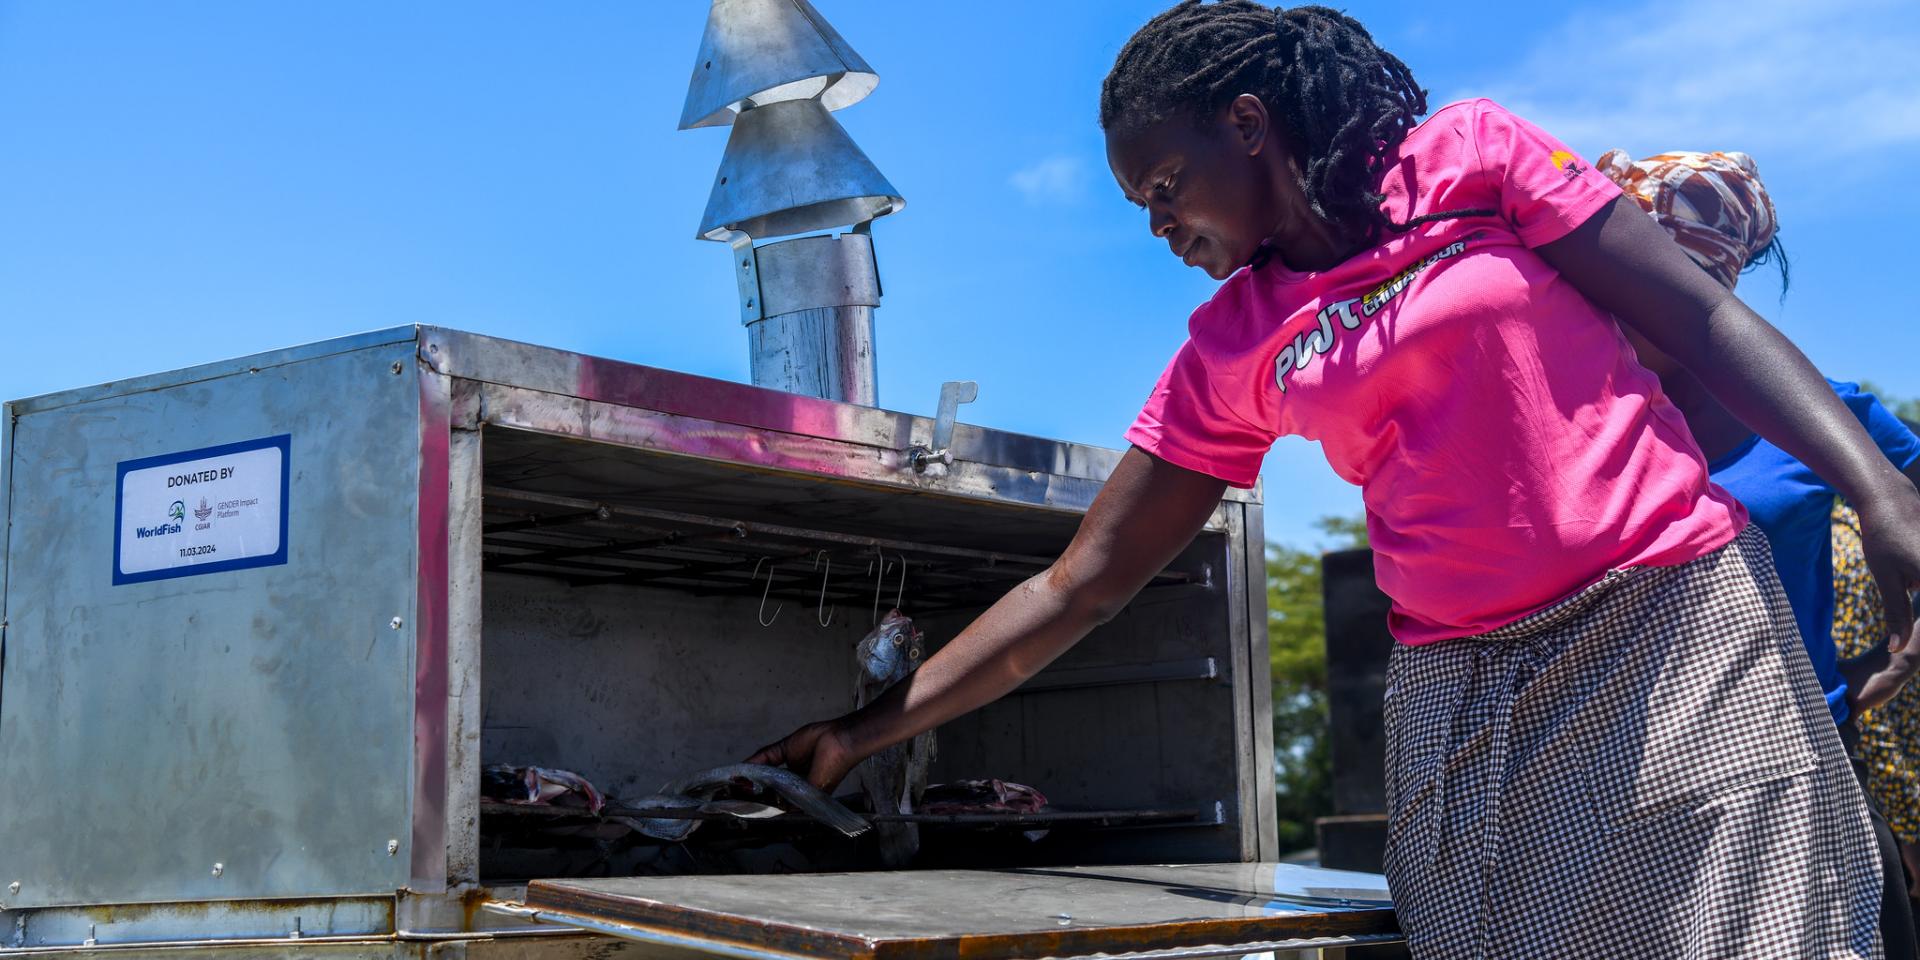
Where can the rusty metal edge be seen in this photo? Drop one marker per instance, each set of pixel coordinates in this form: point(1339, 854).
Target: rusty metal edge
point(1260, 671)
point(194, 947)
point(216, 369)
point(635, 932)
point(803, 941)
point(621, 383)
point(7, 415)
point(428, 852)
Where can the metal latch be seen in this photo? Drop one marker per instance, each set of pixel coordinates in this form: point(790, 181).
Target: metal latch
point(953, 393)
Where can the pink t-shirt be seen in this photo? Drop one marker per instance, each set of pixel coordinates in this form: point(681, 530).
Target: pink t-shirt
point(1509, 448)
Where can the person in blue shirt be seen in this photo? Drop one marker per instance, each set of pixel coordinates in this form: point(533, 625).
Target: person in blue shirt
point(1795, 508)
point(1717, 209)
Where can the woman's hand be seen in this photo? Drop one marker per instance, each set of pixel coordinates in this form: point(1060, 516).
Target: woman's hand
point(1148, 511)
point(820, 752)
point(1890, 539)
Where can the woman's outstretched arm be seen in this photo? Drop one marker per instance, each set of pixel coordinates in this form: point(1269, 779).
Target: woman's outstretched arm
point(1621, 260)
point(1146, 514)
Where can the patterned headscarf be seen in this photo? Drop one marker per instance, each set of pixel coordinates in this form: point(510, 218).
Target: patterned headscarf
point(1713, 203)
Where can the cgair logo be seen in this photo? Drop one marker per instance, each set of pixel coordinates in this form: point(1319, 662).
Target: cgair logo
point(1567, 163)
point(202, 512)
point(178, 511)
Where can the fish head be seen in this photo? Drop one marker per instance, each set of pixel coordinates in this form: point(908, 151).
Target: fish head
point(891, 649)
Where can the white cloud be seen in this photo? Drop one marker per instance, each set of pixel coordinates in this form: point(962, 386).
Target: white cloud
point(1055, 179)
point(1834, 83)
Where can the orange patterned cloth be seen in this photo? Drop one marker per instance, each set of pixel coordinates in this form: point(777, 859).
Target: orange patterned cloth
point(1712, 203)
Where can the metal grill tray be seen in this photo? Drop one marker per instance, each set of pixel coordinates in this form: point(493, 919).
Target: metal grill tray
point(1165, 911)
point(1054, 819)
point(588, 542)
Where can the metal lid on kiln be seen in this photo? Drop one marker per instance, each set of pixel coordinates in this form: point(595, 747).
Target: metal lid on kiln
point(791, 168)
point(770, 51)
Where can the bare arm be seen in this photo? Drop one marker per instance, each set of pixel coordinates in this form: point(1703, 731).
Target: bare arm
point(1623, 261)
point(1146, 514)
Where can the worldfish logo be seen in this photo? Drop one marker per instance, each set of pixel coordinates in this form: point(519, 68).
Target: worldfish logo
point(176, 512)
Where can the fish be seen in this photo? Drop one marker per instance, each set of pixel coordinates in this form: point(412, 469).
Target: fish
point(547, 786)
point(983, 796)
point(676, 829)
point(894, 779)
point(542, 786)
point(706, 786)
point(660, 828)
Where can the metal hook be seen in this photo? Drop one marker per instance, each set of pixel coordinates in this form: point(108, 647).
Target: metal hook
point(900, 594)
point(765, 620)
point(823, 616)
point(879, 581)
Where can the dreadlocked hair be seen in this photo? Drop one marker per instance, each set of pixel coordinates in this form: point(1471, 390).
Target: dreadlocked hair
point(1346, 103)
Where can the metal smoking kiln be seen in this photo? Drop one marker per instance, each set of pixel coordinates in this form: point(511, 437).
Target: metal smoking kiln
point(265, 622)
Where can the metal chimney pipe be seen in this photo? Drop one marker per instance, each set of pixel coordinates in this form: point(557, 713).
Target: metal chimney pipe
point(816, 337)
point(774, 69)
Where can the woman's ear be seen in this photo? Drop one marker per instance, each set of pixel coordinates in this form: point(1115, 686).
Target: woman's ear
point(1248, 120)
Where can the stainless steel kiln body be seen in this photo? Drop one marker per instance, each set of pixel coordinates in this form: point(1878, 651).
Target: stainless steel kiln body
point(289, 754)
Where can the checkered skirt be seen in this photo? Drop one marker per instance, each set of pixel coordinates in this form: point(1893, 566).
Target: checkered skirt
point(1645, 769)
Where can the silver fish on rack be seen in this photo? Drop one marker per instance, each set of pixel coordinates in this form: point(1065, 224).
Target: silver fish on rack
point(895, 778)
point(701, 791)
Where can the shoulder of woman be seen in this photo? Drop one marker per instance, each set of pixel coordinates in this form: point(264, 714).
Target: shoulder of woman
point(1243, 314)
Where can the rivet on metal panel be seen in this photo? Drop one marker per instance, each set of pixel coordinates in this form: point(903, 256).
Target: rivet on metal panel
point(1064, 919)
point(13, 887)
point(393, 847)
point(396, 623)
point(219, 868)
point(397, 368)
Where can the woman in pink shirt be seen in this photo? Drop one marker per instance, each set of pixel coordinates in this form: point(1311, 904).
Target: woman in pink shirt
point(1603, 733)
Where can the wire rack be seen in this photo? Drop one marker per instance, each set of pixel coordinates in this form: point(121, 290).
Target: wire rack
point(586, 542)
point(536, 813)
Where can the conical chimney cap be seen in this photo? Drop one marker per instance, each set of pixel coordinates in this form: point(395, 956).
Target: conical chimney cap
point(769, 51)
point(791, 168)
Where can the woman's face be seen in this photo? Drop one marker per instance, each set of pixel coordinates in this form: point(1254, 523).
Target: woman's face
point(1214, 191)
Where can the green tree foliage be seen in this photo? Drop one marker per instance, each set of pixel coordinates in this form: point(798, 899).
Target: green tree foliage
point(1297, 648)
point(1907, 409)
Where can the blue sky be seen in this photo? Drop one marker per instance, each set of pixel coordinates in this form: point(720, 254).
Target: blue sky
point(184, 182)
